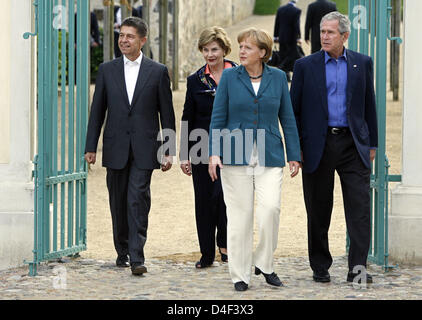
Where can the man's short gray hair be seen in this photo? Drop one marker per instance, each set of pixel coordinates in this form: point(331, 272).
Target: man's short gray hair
point(343, 21)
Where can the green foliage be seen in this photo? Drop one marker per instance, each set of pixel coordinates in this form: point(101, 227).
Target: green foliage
point(60, 58)
point(96, 58)
point(266, 7)
point(342, 6)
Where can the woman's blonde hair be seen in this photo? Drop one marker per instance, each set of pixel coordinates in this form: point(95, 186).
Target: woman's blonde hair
point(261, 38)
point(217, 34)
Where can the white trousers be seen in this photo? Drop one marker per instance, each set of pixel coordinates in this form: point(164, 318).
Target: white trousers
point(240, 185)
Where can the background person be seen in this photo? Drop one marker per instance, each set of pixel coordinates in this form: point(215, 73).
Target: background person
point(287, 34)
point(210, 209)
point(253, 97)
point(316, 10)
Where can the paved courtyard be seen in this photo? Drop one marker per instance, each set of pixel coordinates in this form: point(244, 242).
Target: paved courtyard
point(84, 279)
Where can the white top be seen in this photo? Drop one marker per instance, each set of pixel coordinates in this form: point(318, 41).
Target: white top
point(254, 156)
point(118, 19)
point(255, 86)
point(131, 75)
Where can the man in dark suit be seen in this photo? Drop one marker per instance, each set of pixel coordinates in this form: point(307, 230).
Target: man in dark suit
point(287, 34)
point(135, 93)
point(95, 31)
point(333, 99)
point(316, 10)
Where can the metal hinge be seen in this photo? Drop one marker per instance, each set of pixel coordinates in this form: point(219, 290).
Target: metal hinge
point(26, 35)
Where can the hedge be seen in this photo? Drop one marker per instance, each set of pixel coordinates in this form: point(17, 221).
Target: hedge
point(266, 7)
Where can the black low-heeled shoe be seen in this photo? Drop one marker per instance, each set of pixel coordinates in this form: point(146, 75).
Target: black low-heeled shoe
point(271, 279)
point(224, 257)
point(241, 286)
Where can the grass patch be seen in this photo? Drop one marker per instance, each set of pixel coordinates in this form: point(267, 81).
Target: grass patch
point(266, 7)
point(342, 6)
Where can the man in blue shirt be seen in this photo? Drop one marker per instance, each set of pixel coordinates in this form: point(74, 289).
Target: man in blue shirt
point(333, 99)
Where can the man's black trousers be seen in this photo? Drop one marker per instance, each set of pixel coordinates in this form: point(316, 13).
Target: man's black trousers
point(130, 202)
point(341, 155)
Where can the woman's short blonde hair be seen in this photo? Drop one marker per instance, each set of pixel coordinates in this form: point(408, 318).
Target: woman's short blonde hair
point(216, 34)
point(261, 38)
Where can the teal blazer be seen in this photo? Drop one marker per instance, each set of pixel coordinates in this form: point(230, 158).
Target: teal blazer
point(240, 118)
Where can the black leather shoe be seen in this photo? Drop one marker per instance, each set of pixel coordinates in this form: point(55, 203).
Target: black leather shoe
point(122, 262)
point(241, 286)
point(321, 276)
point(138, 269)
point(201, 265)
point(351, 277)
point(271, 279)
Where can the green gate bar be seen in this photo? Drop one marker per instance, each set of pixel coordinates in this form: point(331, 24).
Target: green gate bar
point(63, 133)
point(370, 37)
point(62, 116)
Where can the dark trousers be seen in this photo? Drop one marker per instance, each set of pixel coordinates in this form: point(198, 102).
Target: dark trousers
point(210, 212)
point(130, 202)
point(117, 52)
point(288, 56)
point(340, 155)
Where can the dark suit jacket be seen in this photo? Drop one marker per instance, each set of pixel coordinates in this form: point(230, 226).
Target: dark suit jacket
point(287, 24)
point(316, 10)
point(95, 31)
point(309, 99)
point(198, 105)
point(135, 125)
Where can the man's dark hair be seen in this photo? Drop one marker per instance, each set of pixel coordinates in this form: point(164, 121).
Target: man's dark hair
point(139, 24)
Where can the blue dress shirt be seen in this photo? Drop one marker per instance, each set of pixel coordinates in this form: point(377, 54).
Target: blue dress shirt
point(336, 80)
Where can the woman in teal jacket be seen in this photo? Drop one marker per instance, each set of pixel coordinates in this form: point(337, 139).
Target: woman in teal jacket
point(246, 144)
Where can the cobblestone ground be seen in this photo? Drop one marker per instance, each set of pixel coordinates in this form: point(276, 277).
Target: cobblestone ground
point(85, 279)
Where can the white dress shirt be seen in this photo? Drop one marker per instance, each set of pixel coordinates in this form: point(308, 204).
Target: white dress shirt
point(131, 75)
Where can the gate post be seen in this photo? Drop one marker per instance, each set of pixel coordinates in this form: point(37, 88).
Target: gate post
point(16, 102)
point(406, 214)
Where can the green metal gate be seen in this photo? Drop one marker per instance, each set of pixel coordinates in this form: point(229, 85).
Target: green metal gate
point(62, 30)
point(370, 32)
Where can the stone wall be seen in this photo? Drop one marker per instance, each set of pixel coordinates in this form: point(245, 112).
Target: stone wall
point(194, 16)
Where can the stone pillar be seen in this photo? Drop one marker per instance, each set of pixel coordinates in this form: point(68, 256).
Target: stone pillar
point(405, 232)
point(16, 187)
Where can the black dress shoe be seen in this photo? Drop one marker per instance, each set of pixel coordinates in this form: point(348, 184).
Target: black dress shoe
point(122, 262)
point(321, 276)
point(352, 276)
point(201, 265)
point(138, 269)
point(241, 286)
point(271, 279)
